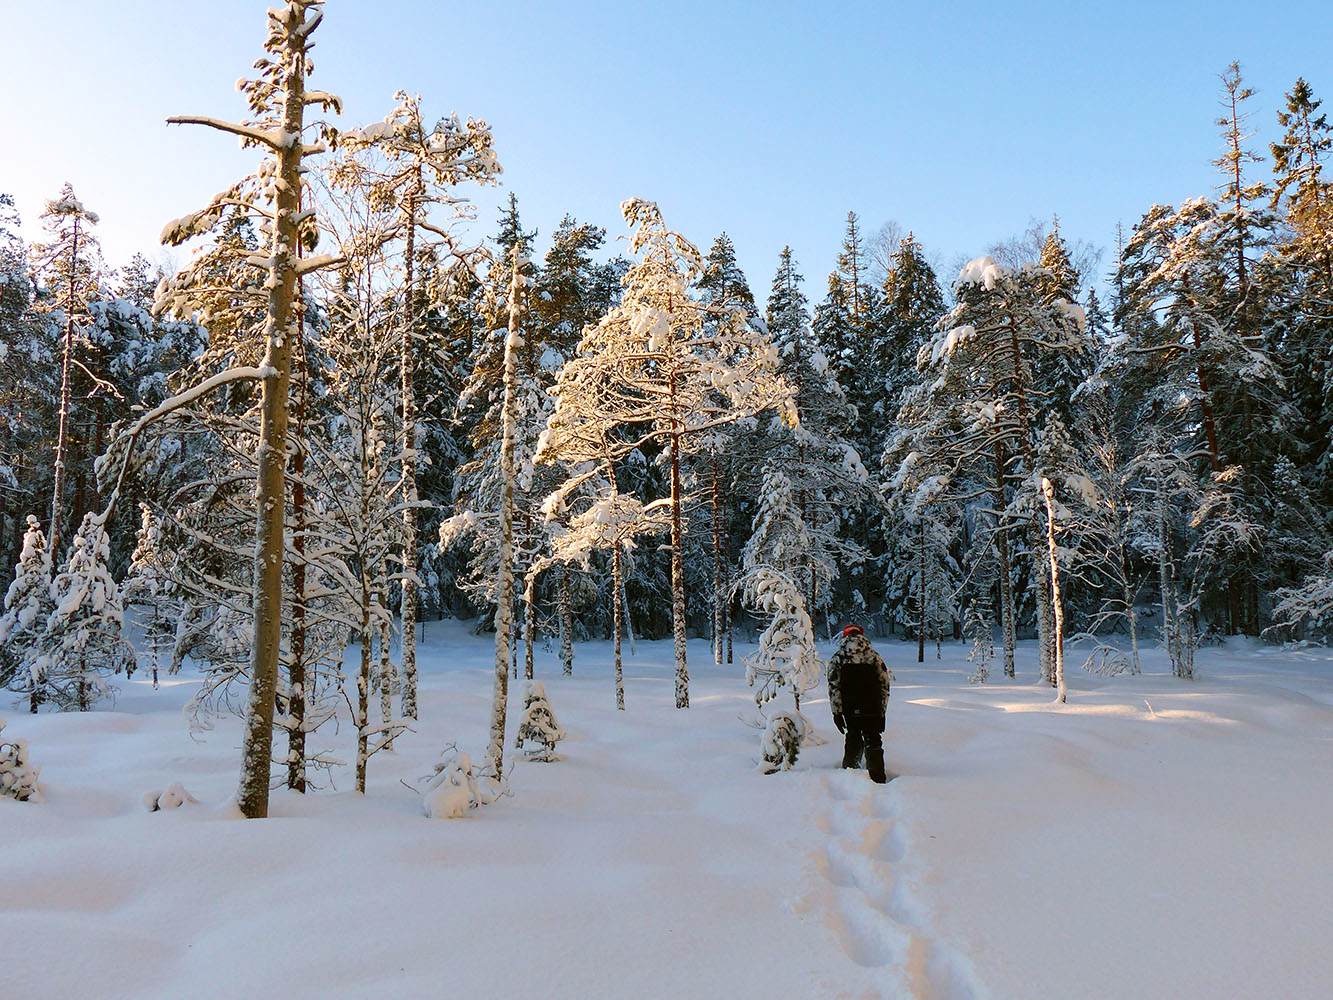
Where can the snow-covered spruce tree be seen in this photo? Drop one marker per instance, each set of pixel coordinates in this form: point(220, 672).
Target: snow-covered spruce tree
point(538, 728)
point(780, 742)
point(984, 404)
point(18, 776)
point(419, 168)
point(148, 585)
point(67, 265)
point(827, 476)
point(82, 641)
point(277, 99)
point(657, 372)
point(28, 605)
point(719, 460)
point(774, 562)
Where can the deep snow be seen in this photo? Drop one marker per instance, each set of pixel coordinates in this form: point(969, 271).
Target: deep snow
point(1153, 838)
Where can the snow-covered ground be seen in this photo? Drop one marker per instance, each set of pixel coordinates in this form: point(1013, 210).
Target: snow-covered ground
point(1154, 838)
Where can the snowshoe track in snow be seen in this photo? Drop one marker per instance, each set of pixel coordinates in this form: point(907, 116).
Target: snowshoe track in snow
point(878, 921)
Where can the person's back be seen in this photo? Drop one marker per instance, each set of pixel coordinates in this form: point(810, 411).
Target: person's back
point(859, 697)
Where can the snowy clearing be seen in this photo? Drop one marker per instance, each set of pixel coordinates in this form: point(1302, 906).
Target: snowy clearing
point(1153, 838)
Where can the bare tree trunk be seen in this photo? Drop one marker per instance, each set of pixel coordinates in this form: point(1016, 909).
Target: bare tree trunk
point(719, 624)
point(566, 624)
point(296, 678)
point(1006, 582)
point(62, 432)
point(529, 622)
point(921, 591)
point(678, 574)
point(1057, 605)
point(504, 607)
point(407, 364)
point(617, 598)
point(257, 741)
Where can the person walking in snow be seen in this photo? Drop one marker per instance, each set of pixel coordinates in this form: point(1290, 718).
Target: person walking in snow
point(858, 693)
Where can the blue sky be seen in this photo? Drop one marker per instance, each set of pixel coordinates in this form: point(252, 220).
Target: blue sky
point(769, 120)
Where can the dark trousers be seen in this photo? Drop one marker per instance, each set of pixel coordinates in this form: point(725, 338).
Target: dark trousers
point(869, 742)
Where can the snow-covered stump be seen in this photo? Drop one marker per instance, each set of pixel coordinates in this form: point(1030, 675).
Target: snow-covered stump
point(18, 776)
point(173, 797)
point(539, 731)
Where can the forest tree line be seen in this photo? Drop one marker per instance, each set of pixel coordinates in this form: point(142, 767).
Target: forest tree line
point(1031, 448)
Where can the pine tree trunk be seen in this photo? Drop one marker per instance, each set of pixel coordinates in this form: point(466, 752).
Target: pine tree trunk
point(62, 431)
point(566, 624)
point(296, 679)
point(719, 627)
point(384, 634)
point(363, 690)
point(921, 591)
point(1006, 580)
point(407, 364)
point(617, 599)
point(504, 606)
point(1057, 606)
point(678, 575)
point(529, 622)
point(257, 741)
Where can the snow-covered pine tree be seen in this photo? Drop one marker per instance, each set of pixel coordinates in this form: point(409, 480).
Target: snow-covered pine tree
point(148, 585)
point(829, 481)
point(68, 265)
point(82, 641)
point(982, 403)
point(538, 728)
point(278, 99)
point(419, 167)
point(18, 776)
point(28, 605)
point(654, 369)
point(775, 560)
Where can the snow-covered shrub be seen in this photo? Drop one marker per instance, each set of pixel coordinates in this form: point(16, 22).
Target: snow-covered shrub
point(174, 797)
point(780, 743)
point(18, 777)
point(453, 789)
point(539, 731)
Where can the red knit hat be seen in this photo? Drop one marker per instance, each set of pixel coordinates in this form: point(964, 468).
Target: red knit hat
point(853, 630)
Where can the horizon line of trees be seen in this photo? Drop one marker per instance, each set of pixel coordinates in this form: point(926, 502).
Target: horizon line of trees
point(343, 417)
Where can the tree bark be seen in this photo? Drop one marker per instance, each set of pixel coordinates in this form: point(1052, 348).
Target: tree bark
point(407, 364)
point(257, 740)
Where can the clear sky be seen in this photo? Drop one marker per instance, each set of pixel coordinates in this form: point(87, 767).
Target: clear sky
point(769, 120)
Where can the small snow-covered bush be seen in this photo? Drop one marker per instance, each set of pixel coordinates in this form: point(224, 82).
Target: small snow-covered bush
point(18, 777)
point(452, 790)
point(781, 742)
point(173, 798)
point(539, 729)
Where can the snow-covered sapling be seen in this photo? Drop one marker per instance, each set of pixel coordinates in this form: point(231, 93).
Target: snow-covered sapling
point(18, 777)
point(452, 790)
point(539, 731)
point(781, 742)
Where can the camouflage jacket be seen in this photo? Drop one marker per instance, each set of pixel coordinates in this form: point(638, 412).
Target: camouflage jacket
point(858, 683)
